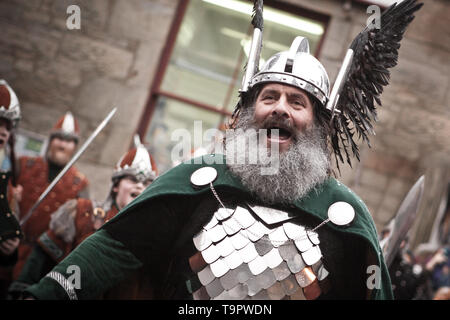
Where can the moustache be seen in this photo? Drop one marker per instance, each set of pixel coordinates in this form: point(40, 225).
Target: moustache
point(285, 126)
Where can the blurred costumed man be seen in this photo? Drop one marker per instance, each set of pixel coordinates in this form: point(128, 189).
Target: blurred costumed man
point(77, 219)
point(34, 176)
point(9, 227)
point(224, 227)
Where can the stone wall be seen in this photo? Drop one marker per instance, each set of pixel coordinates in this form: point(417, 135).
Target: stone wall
point(111, 61)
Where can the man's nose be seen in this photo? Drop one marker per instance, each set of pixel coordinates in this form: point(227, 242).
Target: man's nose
point(65, 144)
point(140, 186)
point(281, 108)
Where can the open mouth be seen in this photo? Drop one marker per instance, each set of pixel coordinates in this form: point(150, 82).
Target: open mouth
point(282, 134)
point(134, 194)
point(2, 141)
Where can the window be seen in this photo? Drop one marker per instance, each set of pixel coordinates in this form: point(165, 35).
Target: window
point(201, 70)
point(382, 3)
point(30, 144)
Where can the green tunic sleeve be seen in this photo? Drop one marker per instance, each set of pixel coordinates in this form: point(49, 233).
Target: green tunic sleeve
point(93, 267)
point(37, 265)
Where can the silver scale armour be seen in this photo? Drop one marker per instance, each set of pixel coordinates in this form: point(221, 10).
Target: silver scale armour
point(240, 257)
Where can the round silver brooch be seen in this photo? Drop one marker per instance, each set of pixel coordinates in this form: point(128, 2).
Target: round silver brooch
point(203, 176)
point(341, 213)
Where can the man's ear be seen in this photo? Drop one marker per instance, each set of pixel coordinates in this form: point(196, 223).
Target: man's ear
point(115, 187)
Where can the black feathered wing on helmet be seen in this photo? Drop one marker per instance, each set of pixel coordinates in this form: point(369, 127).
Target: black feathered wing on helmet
point(375, 51)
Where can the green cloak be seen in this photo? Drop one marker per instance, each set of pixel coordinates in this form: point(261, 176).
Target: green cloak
point(105, 261)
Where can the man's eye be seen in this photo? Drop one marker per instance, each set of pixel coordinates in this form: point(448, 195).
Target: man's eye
point(268, 98)
point(147, 182)
point(132, 179)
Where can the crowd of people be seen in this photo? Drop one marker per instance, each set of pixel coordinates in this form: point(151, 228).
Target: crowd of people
point(68, 216)
point(223, 226)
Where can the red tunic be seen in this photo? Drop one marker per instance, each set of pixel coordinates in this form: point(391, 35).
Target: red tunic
point(34, 180)
point(87, 221)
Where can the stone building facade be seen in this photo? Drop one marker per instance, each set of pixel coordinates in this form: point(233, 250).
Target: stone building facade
point(112, 60)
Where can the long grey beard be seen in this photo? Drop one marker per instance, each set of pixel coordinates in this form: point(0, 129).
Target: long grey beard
point(301, 168)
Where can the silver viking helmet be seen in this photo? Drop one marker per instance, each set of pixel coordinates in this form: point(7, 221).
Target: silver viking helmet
point(66, 127)
point(138, 163)
point(298, 68)
point(9, 103)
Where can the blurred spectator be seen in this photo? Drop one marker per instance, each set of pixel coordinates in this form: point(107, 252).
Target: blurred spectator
point(409, 279)
point(443, 293)
point(439, 266)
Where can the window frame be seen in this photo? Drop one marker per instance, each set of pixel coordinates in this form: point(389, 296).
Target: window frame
point(164, 59)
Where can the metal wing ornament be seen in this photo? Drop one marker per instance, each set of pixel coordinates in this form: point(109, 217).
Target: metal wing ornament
point(252, 66)
point(365, 71)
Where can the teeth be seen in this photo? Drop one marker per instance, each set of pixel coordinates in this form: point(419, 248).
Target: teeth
point(282, 132)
